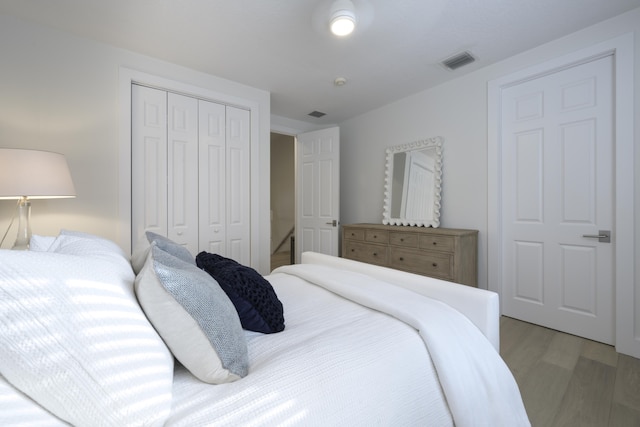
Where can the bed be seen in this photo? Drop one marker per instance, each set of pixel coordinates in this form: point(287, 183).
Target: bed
point(84, 342)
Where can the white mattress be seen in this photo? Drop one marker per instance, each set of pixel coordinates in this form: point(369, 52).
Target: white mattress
point(336, 363)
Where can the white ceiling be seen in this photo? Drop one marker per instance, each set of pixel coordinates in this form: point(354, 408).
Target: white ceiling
point(283, 46)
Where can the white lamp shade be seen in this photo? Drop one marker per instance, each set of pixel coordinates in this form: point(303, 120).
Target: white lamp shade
point(34, 174)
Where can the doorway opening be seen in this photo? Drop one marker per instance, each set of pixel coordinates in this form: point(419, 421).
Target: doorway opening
point(282, 199)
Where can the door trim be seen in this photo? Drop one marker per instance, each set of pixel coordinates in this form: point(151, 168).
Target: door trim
point(627, 321)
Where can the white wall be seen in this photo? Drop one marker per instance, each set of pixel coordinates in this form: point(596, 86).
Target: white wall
point(457, 111)
point(61, 93)
point(293, 127)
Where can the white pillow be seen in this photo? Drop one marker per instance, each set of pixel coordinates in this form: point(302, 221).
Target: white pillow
point(41, 243)
point(98, 248)
point(79, 243)
point(74, 339)
point(194, 316)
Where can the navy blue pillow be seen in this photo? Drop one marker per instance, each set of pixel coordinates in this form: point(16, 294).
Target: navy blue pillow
point(257, 304)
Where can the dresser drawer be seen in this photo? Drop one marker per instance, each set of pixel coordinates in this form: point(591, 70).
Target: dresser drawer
point(437, 243)
point(422, 262)
point(446, 253)
point(372, 254)
point(376, 236)
point(408, 240)
point(354, 234)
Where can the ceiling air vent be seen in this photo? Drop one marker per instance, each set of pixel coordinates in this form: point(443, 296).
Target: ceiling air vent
point(458, 61)
point(317, 114)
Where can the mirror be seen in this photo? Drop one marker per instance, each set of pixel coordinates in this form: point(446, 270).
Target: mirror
point(413, 183)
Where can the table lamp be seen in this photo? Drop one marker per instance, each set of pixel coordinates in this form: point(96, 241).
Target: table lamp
point(32, 174)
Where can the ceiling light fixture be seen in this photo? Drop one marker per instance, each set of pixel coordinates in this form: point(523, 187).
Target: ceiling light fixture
point(342, 18)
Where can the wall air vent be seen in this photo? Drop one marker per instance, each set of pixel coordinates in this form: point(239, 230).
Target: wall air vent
point(458, 60)
point(317, 114)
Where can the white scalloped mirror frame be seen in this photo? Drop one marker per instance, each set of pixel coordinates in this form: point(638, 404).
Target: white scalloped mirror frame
point(421, 200)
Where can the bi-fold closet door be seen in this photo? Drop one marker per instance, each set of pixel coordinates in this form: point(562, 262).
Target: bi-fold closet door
point(191, 172)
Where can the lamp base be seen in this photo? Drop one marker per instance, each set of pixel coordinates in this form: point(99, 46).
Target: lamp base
point(24, 228)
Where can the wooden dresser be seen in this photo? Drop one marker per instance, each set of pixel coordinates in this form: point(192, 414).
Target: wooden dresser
point(446, 253)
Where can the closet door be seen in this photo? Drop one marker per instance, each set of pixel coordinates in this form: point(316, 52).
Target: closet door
point(182, 171)
point(191, 176)
point(212, 166)
point(149, 162)
point(164, 155)
point(238, 175)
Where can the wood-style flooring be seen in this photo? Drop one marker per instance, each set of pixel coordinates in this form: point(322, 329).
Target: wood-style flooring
point(570, 381)
point(280, 258)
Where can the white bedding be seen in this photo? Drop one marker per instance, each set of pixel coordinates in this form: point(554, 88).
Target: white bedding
point(477, 384)
point(312, 372)
point(355, 352)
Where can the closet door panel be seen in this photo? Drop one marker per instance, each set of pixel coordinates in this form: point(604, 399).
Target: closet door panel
point(238, 176)
point(182, 140)
point(192, 172)
point(149, 157)
point(212, 167)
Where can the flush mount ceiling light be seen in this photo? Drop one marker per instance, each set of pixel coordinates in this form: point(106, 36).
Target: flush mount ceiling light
point(342, 18)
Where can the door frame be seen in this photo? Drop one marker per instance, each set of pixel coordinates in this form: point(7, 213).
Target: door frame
point(292, 136)
point(215, 90)
point(627, 321)
point(294, 128)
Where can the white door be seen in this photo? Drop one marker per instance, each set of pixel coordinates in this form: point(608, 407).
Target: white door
point(212, 164)
point(164, 150)
point(149, 160)
point(318, 192)
point(417, 199)
point(224, 165)
point(557, 187)
point(182, 171)
point(191, 173)
point(238, 185)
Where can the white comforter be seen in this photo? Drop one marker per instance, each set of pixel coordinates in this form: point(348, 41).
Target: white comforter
point(343, 364)
point(478, 386)
point(336, 364)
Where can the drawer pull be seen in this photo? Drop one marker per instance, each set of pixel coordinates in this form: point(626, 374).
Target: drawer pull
point(435, 243)
point(401, 259)
point(402, 240)
point(353, 250)
point(435, 264)
point(375, 254)
point(375, 236)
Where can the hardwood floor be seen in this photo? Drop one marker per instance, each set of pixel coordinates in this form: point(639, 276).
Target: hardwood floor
point(280, 258)
point(570, 381)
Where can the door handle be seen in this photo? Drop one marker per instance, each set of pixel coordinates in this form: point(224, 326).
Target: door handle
point(334, 223)
point(603, 236)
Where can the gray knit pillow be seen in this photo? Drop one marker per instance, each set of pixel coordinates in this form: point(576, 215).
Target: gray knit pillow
point(193, 316)
point(139, 256)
